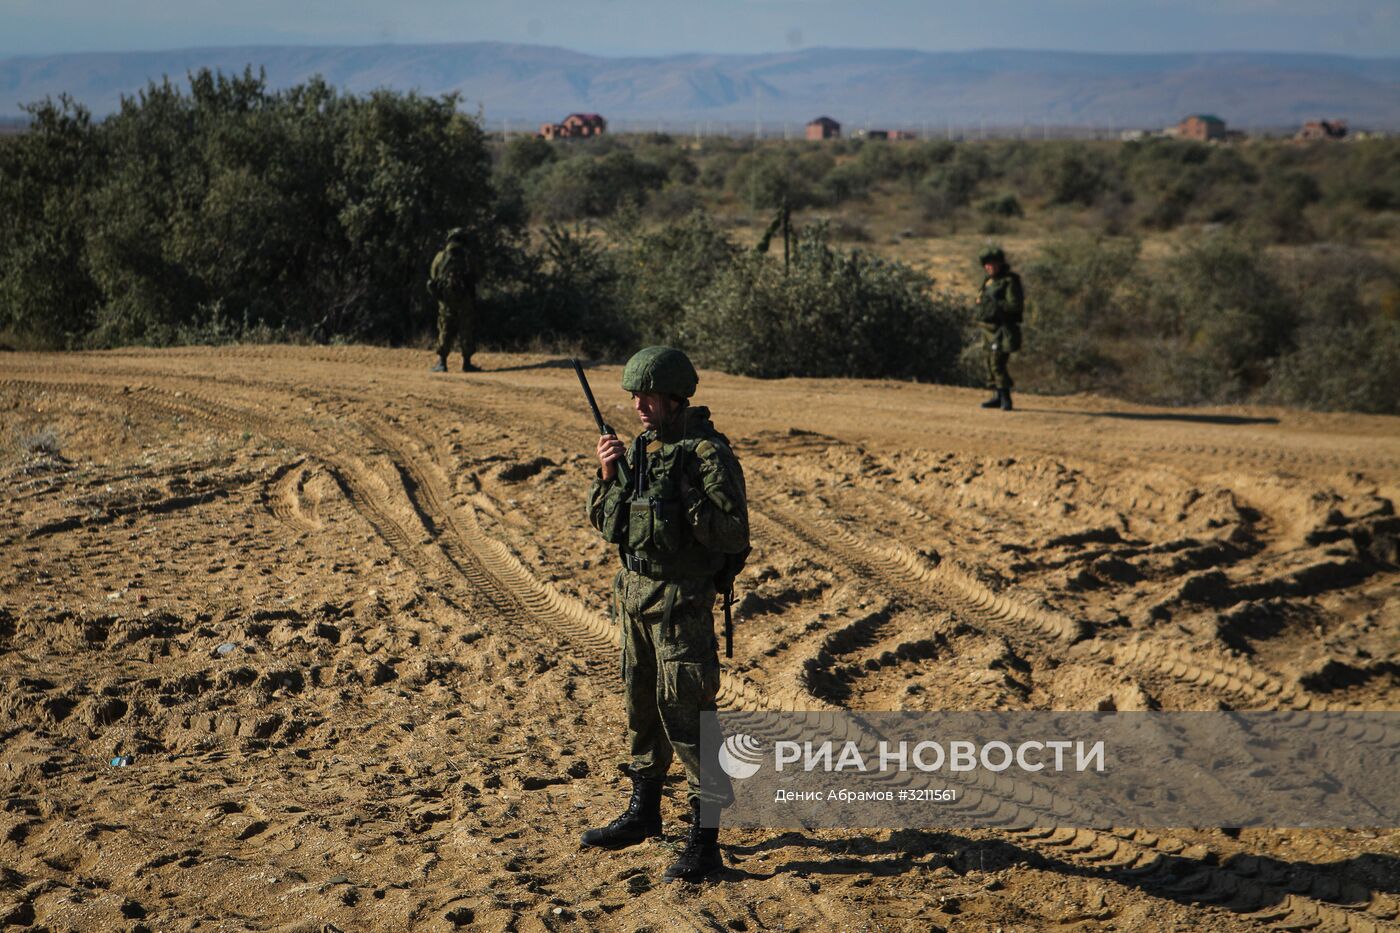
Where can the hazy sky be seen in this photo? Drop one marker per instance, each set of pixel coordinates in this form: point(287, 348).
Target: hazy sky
point(649, 27)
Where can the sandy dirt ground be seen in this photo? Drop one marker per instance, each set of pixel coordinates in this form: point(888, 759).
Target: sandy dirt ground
point(346, 620)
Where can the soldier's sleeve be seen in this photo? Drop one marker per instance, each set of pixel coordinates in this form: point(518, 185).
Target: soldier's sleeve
point(717, 506)
point(433, 272)
point(607, 511)
point(1015, 300)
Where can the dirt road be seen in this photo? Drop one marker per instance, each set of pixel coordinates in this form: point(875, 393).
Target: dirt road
point(347, 622)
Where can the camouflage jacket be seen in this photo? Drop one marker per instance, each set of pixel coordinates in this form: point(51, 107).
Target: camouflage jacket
point(687, 506)
point(1003, 301)
point(450, 276)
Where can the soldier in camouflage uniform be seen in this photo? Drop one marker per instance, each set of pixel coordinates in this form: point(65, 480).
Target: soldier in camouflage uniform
point(452, 283)
point(999, 312)
point(677, 524)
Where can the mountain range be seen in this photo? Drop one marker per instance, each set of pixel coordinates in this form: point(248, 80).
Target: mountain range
point(526, 84)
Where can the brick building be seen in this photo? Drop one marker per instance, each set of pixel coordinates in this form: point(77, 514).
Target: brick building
point(823, 128)
point(575, 126)
point(1201, 126)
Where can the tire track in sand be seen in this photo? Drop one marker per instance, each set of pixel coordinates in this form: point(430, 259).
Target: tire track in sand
point(1160, 865)
point(283, 496)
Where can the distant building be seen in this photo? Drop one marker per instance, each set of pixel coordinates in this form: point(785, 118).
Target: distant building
point(881, 134)
point(575, 126)
point(1201, 126)
point(1322, 129)
point(823, 128)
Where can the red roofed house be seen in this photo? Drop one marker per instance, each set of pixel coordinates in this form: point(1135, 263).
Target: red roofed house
point(575, 126)
point(823, 128)
point(1323, 129)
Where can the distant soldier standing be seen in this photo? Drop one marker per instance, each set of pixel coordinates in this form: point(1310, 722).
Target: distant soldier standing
point(999, 312)
point(681, 525)
point(452, 282)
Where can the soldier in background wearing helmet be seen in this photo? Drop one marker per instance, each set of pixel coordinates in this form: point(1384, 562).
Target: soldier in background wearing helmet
point(999, 312)
point(452, 282)
point(683, 516)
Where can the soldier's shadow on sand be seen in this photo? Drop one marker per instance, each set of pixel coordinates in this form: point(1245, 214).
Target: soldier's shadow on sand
point(1241, 883)
point(1183, 416)
point(545, 364)
point(864, 855)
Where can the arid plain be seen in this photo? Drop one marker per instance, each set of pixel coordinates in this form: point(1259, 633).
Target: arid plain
point(348, 623)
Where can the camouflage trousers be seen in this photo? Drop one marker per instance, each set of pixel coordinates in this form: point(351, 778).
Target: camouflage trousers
point(998, 377)
point(455, 323)
point(670, 670)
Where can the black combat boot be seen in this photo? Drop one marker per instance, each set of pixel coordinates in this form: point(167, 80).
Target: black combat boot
point(469, 367)
point(440, 366)
point(701, 854)
point(1005, 399)
point(994, 401)
point(641, 820)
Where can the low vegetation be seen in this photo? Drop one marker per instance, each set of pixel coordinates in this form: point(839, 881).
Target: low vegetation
point(1159, 270)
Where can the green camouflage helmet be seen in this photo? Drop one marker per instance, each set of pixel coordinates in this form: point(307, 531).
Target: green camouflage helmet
point(661, 370)
point(992, 254)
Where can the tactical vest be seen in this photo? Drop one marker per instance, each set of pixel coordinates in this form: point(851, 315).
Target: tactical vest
point(997, 306)
point(659, 541)
point(451, 273)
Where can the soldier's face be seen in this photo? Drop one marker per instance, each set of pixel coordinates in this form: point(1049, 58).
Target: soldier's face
point(990, 268)
point(653, 409)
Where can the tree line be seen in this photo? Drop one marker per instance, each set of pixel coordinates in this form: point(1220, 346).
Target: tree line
point(222, 210)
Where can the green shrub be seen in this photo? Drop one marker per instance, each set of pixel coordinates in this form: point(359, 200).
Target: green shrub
point(1080, 291)
point(1347, 354)
point(771, 176)
point(848, 182)
point(294, 211)
point(1277, 215)
point(1350, 368)
point(674, 202)
point(569, 294)
point(524, 154)
point(1005, 205)
point(833, 314)
point(1074, 175)
point(663, 272)
point(1220, 305)
point(47, 292)
point(951, 184)
point(587, 185)
point(1174, 180)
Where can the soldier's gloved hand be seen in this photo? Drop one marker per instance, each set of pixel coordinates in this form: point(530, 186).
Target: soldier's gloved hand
point(610, 450)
